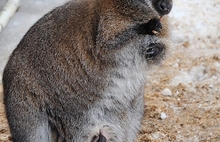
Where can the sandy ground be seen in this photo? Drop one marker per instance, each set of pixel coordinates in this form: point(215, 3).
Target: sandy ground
point(182, 100)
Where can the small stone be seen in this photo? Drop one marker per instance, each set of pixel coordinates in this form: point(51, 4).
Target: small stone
point(177, 93)
point(166, 92)
point(211, 86)
point(155, 135)
point(163, 115)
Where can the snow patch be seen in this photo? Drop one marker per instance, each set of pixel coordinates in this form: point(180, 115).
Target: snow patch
point(197, 73)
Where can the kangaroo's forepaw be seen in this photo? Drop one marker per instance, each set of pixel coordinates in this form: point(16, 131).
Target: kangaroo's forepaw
point(153, 27)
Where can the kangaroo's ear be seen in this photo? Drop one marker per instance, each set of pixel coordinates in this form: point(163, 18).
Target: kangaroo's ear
point(163, 7)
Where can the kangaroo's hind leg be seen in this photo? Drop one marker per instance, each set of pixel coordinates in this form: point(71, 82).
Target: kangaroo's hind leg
point(28, 123)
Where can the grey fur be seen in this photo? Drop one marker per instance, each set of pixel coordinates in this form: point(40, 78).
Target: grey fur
point(80, 71)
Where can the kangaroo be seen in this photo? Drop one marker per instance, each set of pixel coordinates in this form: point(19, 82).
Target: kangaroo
point(78, 75)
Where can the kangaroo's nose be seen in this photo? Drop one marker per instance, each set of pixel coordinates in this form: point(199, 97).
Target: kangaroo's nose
point(163, 7)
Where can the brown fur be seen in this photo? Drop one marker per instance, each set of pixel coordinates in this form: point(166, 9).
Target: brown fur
point(79, 71)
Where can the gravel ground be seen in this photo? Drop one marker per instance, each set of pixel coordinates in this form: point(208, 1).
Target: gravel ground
point(183, 93)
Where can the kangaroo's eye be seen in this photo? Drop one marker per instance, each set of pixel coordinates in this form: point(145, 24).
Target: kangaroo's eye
point(154, 50)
